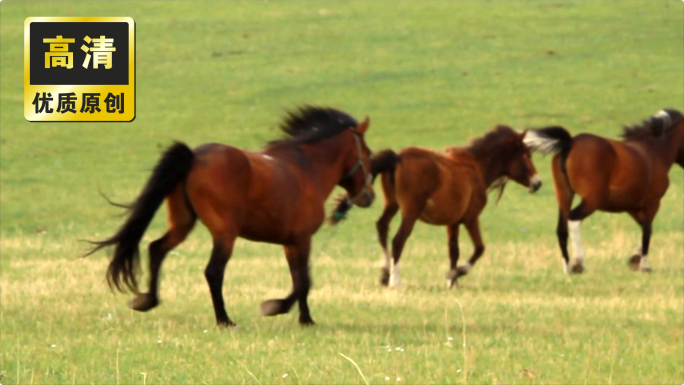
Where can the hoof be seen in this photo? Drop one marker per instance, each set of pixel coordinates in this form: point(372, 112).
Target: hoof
point(577, 269)
point(395, 283)
point(634, 262)
point(395, 280)
point(384, 276)
point(646, 269)
point(274, 307)
point(225, 324)
point(307, 321)
point(452, 279)
point(462, 270)
point(144, 302)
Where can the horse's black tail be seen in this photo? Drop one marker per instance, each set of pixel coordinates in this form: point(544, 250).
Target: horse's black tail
point(383, 162)
point(171, 170)
point(550, 140)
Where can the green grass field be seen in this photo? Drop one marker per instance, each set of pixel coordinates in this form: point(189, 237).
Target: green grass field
point(429, 74)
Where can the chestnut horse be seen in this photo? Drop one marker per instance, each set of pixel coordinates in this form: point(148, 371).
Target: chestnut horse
point(613, 176)
point(448, 190)
point(275, 196)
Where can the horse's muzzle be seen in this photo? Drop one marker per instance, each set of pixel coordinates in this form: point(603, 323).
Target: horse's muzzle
point(365, 199)
point(535, 184)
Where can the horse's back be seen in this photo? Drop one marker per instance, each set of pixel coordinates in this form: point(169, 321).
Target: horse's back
point(417, 171)
point(219, 163)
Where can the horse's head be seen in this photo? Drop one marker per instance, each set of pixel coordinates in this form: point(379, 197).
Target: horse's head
point(667, 123)
point(519, 166)
point(357, 178)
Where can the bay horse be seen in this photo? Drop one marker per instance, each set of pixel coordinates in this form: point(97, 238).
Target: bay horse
point(611, 176)
point(275, 196)
point(447, 189)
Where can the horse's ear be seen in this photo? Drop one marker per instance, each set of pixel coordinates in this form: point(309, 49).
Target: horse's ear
point(522, 135)
point(363, 127)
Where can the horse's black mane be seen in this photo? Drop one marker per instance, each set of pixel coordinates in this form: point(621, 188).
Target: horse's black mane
point(654, 126)
point(489, 142)
point(310, 124)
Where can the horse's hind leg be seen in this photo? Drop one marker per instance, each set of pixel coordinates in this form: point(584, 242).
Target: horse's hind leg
point(562, 233)
point(181, 220)
point(382, 225)
point(398, 242)
point(220, 254)
point(564, 195)
point(298, 261)
point(583, 210)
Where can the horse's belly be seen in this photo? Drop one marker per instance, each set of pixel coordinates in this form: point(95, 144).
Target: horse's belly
point(625, 196)
point(619, 201)
point(442, 211)
point(263, 231)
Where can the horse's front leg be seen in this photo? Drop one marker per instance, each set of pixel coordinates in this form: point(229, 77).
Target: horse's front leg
point(639, 261)
point(452, 240)
point(473, 227)
point(298, 261)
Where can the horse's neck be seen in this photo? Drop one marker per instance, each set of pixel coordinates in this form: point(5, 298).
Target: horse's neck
point(490, 168)
point(665, 149)
point(320, 164)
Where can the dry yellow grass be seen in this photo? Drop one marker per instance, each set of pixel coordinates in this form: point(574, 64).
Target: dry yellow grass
point(66, 326)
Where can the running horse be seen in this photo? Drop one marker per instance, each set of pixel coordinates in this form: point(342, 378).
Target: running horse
point(446, 190)
point(275, 196)
point(612, 176)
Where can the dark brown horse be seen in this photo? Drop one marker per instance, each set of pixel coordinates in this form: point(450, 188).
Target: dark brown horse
point(613, 176)
point(274, 196)
point(447, 190)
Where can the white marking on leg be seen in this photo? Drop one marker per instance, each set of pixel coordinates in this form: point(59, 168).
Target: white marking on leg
point(566, 267)
point(385, 259)
point(638, 251)
point(576, 241)
point(466, 267)
point(395, 278)
point(643, 263)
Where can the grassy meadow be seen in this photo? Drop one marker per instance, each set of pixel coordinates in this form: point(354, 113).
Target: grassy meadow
point(430, 74)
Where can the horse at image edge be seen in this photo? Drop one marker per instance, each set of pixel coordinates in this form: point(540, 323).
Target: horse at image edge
point(613, 176)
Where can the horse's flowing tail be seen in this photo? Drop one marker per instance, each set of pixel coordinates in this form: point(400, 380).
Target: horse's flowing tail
point(172, 169)
point(550, 140)
point(383, 162)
